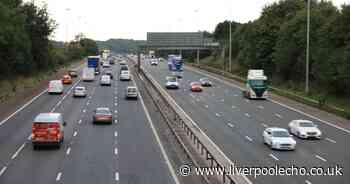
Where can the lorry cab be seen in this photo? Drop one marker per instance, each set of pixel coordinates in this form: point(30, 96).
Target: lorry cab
point(47, 130)
point(256, 85)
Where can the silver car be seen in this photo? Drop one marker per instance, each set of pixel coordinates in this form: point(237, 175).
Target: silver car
point(79, 91)
point(131, 92)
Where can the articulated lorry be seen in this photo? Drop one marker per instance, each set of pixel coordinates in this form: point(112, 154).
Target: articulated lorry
point(94, 62)
point(256, 85)
point(175, 64)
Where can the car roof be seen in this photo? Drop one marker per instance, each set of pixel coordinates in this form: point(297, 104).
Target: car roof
point(80, 87)
point(48, 117)
point(131, 87)
point(302, 120)
point(55, 81)
point(276, 129)
point(102, 108)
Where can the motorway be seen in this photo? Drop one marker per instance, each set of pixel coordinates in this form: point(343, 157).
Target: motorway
point(125, 152)
point(235, 125)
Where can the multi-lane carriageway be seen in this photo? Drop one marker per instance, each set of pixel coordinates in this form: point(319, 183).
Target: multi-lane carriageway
point(236, 124)
point(128, 151)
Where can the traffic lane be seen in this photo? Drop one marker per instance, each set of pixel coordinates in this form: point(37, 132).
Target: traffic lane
point(141, 160)
point(17, 129)
point(303, 155)
point(40, 166)
point(91, 157)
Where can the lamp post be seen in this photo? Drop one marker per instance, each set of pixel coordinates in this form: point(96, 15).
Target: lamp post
point(307, 48)
point(67, 10)
point(230, 47)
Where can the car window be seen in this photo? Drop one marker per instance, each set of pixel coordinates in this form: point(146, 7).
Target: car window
point(280, 134)
point(102, 111)
point(306, 124)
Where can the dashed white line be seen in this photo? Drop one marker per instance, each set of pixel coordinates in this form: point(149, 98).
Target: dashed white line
point(116, 111)
point(115, 121)
point(2, 171)
point(278, 115)
point(217, 114)
point(249, 139)
point(235, 95)
point(330, 140)
point(68, 151)
point(274, 157)
point(233, 107)
point(116, 177)
point(206, 106)
point(261, 107)
point(79, 121)
point(321, 158)
point(248, 115)
point(87, 103)
point(307, 182)
point(246, 100)
point(58, 177)
point(17, 152)
point(116, 151)
point(264, 125)
point(75, 133)
point(115, 134)
point(29, 137)
point(115, 104)
point(84, 111)
point(230, 125)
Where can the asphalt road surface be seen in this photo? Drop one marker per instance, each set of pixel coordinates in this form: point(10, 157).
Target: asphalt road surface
point(125, 152)
point(236, 125)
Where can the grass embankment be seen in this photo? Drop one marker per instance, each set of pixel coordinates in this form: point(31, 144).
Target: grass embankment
point(333, 103)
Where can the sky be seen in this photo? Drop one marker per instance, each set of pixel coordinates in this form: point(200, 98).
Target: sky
point(132, 19)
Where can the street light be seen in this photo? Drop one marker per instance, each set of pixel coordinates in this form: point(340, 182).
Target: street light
point(307, 48)
point(230, 46)
point(67, 10)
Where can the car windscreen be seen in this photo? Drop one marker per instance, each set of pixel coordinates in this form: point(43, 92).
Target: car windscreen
point(280, 134)
point(132, 90)
point(257, 82)
point(103, 111)
point(306, 124)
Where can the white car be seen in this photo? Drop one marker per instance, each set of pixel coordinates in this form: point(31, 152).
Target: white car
point(124, 75)
point(278, 138)
point(55, 86)
point(154, 62)
point(304, 129)
point(106, 65)
point(172, 83)
point(105, 80)
point(131, 92)
point(79, 91)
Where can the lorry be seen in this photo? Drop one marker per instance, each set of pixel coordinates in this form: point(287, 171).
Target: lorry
point(256, 85)
point(94, 62)
point(175, 64)
point(88, 74)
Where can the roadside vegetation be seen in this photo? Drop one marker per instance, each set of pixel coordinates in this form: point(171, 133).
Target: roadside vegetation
point(27, 55)
point(276, 42)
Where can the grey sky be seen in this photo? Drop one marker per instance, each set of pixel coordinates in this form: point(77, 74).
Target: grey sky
point(104, 19)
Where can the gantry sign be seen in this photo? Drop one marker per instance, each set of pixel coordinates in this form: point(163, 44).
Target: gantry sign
point(178, 41)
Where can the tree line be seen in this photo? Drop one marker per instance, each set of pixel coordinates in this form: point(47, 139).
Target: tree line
point(25, 45)
point(276, 42)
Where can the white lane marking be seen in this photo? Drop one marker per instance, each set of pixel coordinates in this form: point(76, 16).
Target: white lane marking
point(24, 106)
point(261, 107)
point(274, 157)
point(84, 111)
point(58, 177)
point(230, 125)
point(68, 151)
point(321, 158)
point(249, 139)
point(233, 107)
point(115, 121)
point(248, 115)
point(217, 114)
point(116, 111)
point(115, 134)
point(141, 77)
point(88, 103)
point(90, 97)
point(2, 171)
point(264, 125)
point(307, 182)
point(116, 176)
point(75, 133)
point(278, 115)
point(170, 167)
point(79, 121)
point(235, 95)
point(116, 151)
point(246, 100)
point(29, 137)
point(222, 100)
point(115, 104)
point(17, 152)
point(206, 106)
point(330, 140)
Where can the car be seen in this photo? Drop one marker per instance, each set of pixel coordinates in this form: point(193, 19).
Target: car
point(48, 130)
point(154, 62)
point(105, 80)
point(304, 129)
point(73, 73)
point(106, 65)
point(111, 61)
point(131, 92)
point(110, 73)
point(278, 138)
point(124, 67)
point(102, 115)
point(124, 75)
point(66, 79)
point(172, 83)
point(55, 87)
point(205, 82)
point(122, 62)
point(196, 87)
point(79, 91)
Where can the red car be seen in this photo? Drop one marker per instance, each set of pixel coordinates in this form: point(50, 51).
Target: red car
point(102, 115)
point(67, 79)
point(196, 87)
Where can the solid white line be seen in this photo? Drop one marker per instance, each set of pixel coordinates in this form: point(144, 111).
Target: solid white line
point(2, 171)
point(116, 151)
point(17, 152)
point(58, 177)
point(68, 151)
point(321, 158)
point(307, 182)
point(274, 157)
point(24, 106)
point(278, 115)
point(75, 133)
point(249, 139)
point(230, 125)
point(116, 177)
point(330, 140)
point(170, 167)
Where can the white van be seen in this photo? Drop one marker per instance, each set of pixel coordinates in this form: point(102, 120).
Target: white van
point(55, 86)
point(88, 74)
point(124, 75)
